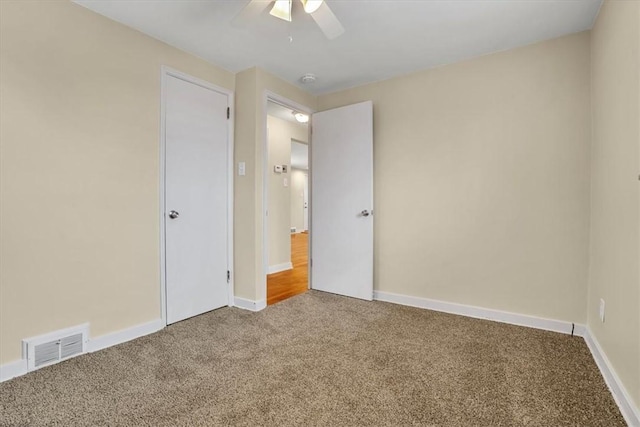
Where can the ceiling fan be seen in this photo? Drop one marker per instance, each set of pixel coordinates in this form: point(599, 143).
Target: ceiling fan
point(318, 9)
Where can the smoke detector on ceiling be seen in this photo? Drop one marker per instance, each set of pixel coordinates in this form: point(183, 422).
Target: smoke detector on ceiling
point(308, 78)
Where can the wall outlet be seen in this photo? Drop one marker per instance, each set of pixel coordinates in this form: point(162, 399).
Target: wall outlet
point(601, 310)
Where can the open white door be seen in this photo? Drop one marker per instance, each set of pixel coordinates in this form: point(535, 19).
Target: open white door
point(342, 201)
point(196, 198)
point(305, 204)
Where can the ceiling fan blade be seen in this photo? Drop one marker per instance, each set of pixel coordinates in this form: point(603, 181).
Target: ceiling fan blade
point(327, 21)
point(250, 12)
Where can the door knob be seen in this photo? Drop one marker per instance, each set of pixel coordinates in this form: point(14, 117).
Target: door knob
point(365, 213)
point(174, 214)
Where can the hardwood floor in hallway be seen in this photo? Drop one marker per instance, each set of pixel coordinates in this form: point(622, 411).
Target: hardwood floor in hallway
point(286, 284)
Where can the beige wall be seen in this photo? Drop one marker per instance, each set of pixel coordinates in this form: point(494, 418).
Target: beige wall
point(79, 132)
point(247, 264)
point(280, 134)
point(615, 224)
point(482, 180)
point(298, 178)
point(251, 88)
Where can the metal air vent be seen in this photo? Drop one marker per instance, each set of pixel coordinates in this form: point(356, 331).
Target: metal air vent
point(56, 346)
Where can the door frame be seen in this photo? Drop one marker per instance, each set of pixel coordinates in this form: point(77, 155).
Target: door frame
point(267, 97)
point(165, 73)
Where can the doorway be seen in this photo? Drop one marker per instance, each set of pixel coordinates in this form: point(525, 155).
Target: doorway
point(287, 205)
point(196, 196)
point(339, 254)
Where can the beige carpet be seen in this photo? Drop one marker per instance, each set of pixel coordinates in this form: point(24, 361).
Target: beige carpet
point(320, 359)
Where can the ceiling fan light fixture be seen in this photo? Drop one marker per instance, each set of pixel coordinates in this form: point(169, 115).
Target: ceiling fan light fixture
point(311, 6)
point(281, 9)
point(301, 117)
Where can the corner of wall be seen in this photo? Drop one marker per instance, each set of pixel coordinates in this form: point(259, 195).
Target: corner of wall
point(244, 186)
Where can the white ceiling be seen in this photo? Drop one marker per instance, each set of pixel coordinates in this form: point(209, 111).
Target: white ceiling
point(299, 155)
point(383, 38)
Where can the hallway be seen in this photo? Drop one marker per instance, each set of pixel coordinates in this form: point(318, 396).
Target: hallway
point(286, 284)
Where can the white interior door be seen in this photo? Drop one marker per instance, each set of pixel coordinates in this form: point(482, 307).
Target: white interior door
point(305, 203)
point(342, 201)
point(196, 175)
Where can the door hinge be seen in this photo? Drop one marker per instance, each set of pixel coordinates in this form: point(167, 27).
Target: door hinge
point(228, 276)
point(228, 112)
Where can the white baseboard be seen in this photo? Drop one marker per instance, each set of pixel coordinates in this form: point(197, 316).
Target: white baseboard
point(247, 304)
point(280, 267)
point(124, 335)
point(629, 411)
point(482, 313)
point(13, 369)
